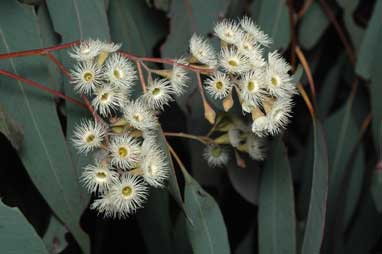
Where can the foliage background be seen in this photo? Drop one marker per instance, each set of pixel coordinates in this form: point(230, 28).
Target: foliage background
point(329, 166)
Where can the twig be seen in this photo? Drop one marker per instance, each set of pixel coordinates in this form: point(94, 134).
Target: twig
point(141, 77)
point(41, 87)
point(341, 34)
point(202, 139)
point(304, 8)
point(42, 51)
point(306, 99)
point(308, 72)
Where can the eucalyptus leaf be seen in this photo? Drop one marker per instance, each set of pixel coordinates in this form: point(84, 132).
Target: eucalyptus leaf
point(313, 25)
point(315, 223)
point(276, 217)
point(54, 237)
point(370, 44)
point(16, 234)
point(273, 18)
point(44, 152)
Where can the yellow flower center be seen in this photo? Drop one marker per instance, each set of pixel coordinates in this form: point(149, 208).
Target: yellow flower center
point(89, 138)
point(251, 86)
point(117, 74)
point(104, 97)
point(127, 191)
point(233, 62)
point(88, 76)
point(155, 91)
point(228, 33)
point(137, 117)
point(101, 175)
point(123, 152)
point(216, 151)
point(275, 81)
point(219, 85)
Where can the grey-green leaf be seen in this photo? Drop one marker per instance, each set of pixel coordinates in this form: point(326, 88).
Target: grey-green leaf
point(44, 152)
point(313, 25)
point(273, 18)
point(16, 234)
point(314, 230)
point(206, 229)
point(54, 237)
point(276, 217)
point(370, 43)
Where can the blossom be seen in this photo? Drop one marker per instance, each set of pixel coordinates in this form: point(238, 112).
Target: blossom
point(202, 51)
point(98, 177)
point(158, 94)
point(216, 155)
point(233, 62)
point(140, 116)
point(119, 71)
point(228, 31)
point(125, 151)
point(108, 99)
point(252, 87)
point(249, 26)
point(218, 85)
point(86, 76)
point(88, 135)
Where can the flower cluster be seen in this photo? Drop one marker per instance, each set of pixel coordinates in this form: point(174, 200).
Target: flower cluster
point(262, 83)
point(128, 159)
point(122, 137)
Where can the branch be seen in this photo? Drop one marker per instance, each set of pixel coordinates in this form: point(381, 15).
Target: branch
point(41, 87)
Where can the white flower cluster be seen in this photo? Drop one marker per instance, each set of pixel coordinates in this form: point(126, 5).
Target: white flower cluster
point(264, 86)
point(128, 158)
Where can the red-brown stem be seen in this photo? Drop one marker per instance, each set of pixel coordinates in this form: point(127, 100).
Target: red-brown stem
point(42, 51)
point(167, 61)
point(200, 86)
point(67, 74)
point(41, 87)
point(308, 72)
point(59, 65)
point(141, 77)
point(341, 34)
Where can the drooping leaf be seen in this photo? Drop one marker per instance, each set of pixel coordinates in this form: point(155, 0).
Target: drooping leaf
point(54, 237)
point(276, 217)
point(313, 25)
point(315, 223)
point(156, 230)
point(370, 44)
point(273, 18)
point(16, 234)
point(208, 233)
point(11, 129)
point(345, 181)
point(44, 152)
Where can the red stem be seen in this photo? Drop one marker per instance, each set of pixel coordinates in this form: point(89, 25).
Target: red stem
point(67, 74)
point(166, 61)
point(42, 51)
point(39, 86)
point(141, 77)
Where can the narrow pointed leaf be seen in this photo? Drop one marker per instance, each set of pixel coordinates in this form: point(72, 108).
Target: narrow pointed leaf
point(315, 223)
point(277, 222)
point(16, 234)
